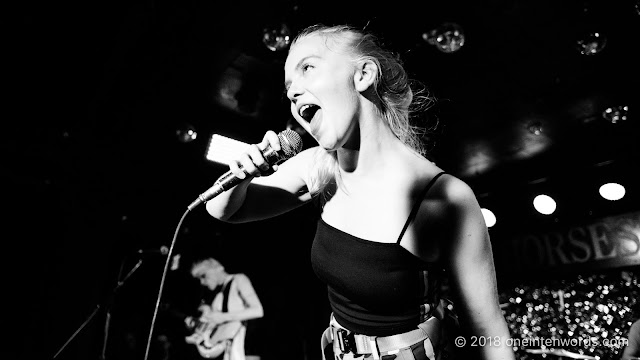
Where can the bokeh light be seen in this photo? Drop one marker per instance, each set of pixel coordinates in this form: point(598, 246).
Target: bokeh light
point(448, 37)
point(591, 43)
point(186, 133)
point(615, 114)
point(276, 37)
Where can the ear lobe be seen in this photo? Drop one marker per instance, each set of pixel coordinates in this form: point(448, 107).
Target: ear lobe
point(365, 76)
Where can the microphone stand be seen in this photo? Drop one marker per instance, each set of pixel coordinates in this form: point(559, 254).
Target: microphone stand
point(107, 303)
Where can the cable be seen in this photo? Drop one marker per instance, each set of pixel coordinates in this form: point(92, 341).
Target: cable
point(164, 275)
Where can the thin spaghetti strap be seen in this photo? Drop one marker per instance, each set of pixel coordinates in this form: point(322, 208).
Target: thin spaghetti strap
point(416, 206)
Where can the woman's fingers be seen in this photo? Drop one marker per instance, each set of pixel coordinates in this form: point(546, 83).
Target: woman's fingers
point(257, 160)
point(272, 140)
point(253, 162)
point(234, 167)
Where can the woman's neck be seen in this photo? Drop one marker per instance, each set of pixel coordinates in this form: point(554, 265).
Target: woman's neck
point(377, 147)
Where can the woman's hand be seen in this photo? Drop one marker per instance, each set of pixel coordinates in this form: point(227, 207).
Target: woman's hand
point(252, 162)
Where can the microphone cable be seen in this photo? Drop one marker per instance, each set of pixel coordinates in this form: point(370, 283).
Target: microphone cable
point(162, 281)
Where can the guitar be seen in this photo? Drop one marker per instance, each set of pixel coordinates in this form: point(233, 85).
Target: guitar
point(210, 339)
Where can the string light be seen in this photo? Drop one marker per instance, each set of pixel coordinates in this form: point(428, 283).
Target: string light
point(583, 308)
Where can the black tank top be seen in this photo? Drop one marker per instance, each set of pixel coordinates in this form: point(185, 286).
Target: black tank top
point(373, 288)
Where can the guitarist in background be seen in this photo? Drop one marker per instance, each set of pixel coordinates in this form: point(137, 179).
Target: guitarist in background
point(220, 330)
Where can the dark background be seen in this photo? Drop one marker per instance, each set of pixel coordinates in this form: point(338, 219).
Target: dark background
point(94, 169)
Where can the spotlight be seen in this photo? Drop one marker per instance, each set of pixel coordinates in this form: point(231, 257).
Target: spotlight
point(489, 217)
point(544, 204)
point(612, 191)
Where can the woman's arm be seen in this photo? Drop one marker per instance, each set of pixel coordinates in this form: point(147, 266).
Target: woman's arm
point(472, 272)
point(263, 196)
point(632, 350)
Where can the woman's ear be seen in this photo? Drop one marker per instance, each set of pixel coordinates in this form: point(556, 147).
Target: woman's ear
point(365, 75)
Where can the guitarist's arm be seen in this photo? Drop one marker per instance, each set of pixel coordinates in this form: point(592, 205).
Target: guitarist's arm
point(253, 306)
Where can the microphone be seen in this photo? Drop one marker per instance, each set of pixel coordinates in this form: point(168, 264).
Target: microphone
point(290, 145)
point(163, 250)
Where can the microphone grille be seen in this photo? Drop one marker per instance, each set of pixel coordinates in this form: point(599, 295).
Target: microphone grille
point(290, 142)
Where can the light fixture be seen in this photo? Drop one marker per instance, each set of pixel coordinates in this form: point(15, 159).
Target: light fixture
point(591, 43)
point(277, 36)
point(535, 128)
point(544, 204)
point(612, 191)
point(448, 37)
point(489, 217)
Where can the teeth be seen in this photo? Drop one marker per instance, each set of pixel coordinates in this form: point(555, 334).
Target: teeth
point(307, 111)
point(303, 108)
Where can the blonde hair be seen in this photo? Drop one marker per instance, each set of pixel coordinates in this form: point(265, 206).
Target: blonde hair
point(399, 97)
point(209, 263)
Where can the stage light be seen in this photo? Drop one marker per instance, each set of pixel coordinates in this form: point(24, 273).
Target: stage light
point(612, 191)
point(544, 204)
point(489, 217)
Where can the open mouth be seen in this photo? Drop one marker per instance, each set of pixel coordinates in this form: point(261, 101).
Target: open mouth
point(308, 111)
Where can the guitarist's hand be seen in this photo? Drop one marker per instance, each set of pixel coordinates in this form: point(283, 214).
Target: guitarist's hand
point(215, 318)
point(205, 309)
point(195, 338)
point(190, 322)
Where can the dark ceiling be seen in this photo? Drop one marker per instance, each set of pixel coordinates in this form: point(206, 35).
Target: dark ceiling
point(108, 84)
point(520, 68)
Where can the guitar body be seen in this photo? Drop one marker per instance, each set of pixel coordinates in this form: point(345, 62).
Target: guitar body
point(216, 344)
point(211, 340)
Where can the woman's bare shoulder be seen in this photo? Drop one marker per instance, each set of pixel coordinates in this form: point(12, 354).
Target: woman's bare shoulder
point(450, 188)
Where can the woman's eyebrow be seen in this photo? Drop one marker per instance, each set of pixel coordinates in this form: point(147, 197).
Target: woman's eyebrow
point(287, 83)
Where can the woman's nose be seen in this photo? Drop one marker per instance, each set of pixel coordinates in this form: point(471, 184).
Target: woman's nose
point(293, 92)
